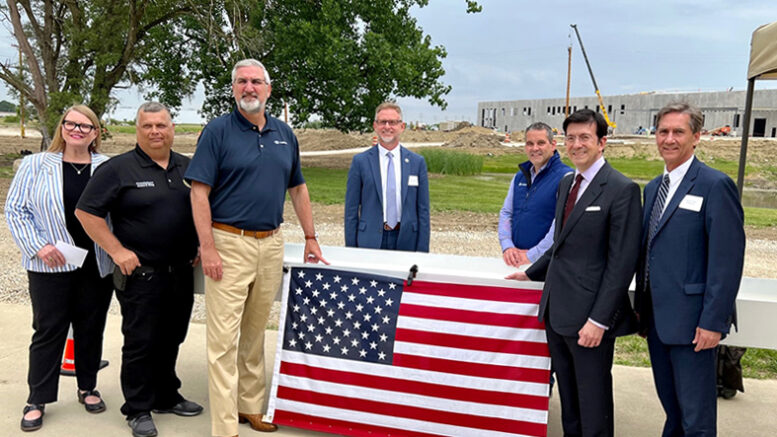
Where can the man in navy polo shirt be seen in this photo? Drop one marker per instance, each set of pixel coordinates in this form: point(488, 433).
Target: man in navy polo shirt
point(244, 164)
point(527, 214)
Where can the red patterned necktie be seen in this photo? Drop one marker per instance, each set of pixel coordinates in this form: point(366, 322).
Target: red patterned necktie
point(572, 198)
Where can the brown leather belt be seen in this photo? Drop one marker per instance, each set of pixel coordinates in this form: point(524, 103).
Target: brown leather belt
point(388, 228)
point(243, 232)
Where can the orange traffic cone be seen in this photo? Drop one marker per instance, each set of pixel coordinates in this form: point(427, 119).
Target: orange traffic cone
point(507, 137)
point(69, 360)
point(374, 140)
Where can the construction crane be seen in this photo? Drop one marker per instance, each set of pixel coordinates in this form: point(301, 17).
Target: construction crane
point(593, 79)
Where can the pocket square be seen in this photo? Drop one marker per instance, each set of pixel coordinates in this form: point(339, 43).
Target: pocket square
point(593, 208)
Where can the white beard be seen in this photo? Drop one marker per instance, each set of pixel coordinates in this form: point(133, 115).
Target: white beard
point(252, 106)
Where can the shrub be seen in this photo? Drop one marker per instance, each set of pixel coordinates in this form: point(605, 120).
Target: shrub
point(450, 162)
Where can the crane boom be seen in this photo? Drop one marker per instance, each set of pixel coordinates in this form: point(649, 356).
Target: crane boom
point(593, 79)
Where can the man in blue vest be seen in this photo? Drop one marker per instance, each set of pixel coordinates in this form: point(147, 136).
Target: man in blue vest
point(529, 208)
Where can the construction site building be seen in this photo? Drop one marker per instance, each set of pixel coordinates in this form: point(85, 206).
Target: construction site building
point(631, 112)
point(447, 126)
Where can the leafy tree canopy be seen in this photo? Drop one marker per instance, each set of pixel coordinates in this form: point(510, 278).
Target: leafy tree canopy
point(80, 51)
point(337, 59)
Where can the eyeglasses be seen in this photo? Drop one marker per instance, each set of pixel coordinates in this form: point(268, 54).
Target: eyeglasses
point(571, 139)
point(85, 128)
point(388, 122)
point(254, 82)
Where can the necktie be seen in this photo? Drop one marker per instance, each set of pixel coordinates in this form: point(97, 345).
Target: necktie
point(391, 193)
point(572, 198)
point(655, 217)
point(658, 207)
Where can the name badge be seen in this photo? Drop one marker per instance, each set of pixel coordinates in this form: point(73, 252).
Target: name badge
point(144, 184)
point(593, 208)
point(412, 180)
point(692, 203)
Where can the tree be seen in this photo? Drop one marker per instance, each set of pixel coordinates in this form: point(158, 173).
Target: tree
point(346, 62)
point(337, 59)
point(80, 51)
point(334, 58)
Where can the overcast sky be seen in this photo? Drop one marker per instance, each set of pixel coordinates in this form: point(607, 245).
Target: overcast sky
point(518, 50)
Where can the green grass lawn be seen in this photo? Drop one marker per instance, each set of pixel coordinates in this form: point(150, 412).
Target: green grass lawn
point(639, 169)
point(757, 363)
point(6, 164)
point(480, 193)
point(181, 128)
point(326, 185)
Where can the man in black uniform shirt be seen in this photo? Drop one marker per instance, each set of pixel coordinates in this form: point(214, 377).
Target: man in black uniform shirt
point(153, 245)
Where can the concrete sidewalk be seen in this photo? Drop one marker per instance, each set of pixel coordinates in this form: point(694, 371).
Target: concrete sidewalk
point(637, 411)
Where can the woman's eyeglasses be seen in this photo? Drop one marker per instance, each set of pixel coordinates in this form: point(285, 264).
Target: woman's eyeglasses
point(83, 127)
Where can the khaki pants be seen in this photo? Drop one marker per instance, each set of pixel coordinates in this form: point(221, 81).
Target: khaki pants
point(237, 310)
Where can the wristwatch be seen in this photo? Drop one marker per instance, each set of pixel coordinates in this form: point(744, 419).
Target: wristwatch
point(312, 237)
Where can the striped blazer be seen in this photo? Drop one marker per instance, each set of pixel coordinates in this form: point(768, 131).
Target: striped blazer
point(35, 211)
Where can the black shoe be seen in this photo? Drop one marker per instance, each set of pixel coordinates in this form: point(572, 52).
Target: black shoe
point(142, 426)
point(35, 424)
point(184, 408)
point(99, 407)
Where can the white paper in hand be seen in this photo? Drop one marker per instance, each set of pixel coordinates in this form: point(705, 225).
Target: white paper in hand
point(73, 254)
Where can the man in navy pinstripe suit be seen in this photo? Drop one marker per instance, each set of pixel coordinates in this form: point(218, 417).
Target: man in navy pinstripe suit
point(693, 246)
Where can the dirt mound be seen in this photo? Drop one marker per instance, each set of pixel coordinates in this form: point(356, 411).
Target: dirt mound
point(426, 136)
point(473, 139)
point(329, 139)
point(760, 151)
point(517, 135)
point(475, 130)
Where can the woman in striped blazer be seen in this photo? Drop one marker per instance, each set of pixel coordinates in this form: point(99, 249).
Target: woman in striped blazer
point(40, 214)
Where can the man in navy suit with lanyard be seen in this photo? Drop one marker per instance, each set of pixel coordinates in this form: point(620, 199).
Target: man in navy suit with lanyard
point(693, 245)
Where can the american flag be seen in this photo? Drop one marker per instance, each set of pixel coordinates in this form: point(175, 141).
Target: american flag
point(364, 354)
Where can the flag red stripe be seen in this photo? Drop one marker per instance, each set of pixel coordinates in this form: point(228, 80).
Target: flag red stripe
point(409, 412)
point(467, 316)
point(415, 387)
point(333, 426)
point(496, 294)
point(472, 369)
point(473, 343)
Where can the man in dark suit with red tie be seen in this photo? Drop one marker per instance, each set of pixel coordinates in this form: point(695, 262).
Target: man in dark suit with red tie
point(587, 272)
